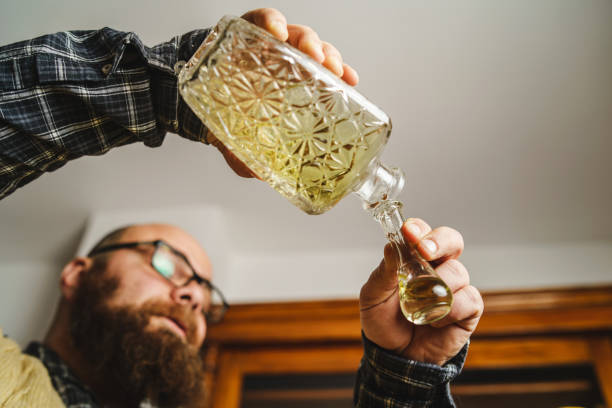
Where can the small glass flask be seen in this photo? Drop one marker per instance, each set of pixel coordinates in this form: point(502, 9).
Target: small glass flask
point(424, 297)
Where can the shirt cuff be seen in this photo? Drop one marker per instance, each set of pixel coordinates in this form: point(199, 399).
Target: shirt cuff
point(174, 113)
point(386, 379)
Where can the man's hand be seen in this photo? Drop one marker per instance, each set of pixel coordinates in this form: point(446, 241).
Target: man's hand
point(306, 40)
point(382, 320)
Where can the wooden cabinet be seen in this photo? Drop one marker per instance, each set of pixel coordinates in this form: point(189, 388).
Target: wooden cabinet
point(538, 348)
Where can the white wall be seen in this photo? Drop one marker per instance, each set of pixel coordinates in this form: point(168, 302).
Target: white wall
point(29, 292)
point(257, 277)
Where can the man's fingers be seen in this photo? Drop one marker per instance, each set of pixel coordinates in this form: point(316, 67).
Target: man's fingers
point(350, 75)
point(235, 163)
point(454, 274)
point(386, 277)
point(270, 20)
point(441, 244)
point(382, 282)
point(333, 59)
point(414, 229)
point(466, 311)
point(306, 40)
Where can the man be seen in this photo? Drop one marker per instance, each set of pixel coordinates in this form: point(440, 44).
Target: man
point(134, 313)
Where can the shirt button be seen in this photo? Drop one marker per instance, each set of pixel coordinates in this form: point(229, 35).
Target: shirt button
point(106, 69)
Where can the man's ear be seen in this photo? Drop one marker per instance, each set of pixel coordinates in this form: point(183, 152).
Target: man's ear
point(71, 275)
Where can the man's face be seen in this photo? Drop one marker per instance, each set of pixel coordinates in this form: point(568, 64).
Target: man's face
point(139, 282)
point(135, 327)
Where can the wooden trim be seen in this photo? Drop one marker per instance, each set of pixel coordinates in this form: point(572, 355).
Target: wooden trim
point(520, 388)
point(228, 384)
point(532, 312)
point(298, 359)
point(601, 354)
point(234, 364)
point(527, 352)
point(210, 364)
point(293, 395)
point(548, 298)
point(313, 321)
point(580, 319)
point(316, 310)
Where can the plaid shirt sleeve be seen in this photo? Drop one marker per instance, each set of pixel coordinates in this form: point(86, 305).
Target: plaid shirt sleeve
point(388, 381)
point(78, 93)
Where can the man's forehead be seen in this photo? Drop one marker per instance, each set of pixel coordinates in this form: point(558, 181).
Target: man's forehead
point(176, 237)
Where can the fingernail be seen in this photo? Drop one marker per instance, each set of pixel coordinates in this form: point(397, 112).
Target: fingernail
point(414, 229)
point(430, 246)
point(315, 51)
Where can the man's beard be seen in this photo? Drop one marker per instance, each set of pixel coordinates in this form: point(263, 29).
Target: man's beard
point(139, 363)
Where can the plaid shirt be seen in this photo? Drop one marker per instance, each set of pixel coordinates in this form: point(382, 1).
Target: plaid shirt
point(73, 392)
point(79, 93)
point(386, 380)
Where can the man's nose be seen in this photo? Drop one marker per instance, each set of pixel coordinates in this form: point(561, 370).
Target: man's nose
point(191, 295)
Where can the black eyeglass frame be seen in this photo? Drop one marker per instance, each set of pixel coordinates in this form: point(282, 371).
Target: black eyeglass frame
point(194, 277)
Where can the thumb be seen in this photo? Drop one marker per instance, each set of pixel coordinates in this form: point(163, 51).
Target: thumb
point(382, 282)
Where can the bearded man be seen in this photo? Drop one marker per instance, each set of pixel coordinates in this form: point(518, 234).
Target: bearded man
point(132, 320)
point(133, 316)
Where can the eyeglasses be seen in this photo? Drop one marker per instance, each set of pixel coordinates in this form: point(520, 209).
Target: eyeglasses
point(174, 266)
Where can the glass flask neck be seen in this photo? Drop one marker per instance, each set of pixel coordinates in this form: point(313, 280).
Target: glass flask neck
point(381, 184)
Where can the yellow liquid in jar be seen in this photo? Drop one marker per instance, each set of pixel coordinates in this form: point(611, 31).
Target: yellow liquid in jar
point(309, 140)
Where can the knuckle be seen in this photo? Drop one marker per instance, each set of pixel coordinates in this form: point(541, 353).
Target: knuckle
point(425, 228)
point(460, 242)
point(363, 292)
point(375, 276)
point(446, 231)
point(305, 31)
point(453, 236)
point(475, 298)
point(330, 49)
point(459, 270)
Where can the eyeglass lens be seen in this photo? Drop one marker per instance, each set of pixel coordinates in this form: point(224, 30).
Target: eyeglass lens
point(174, 268)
